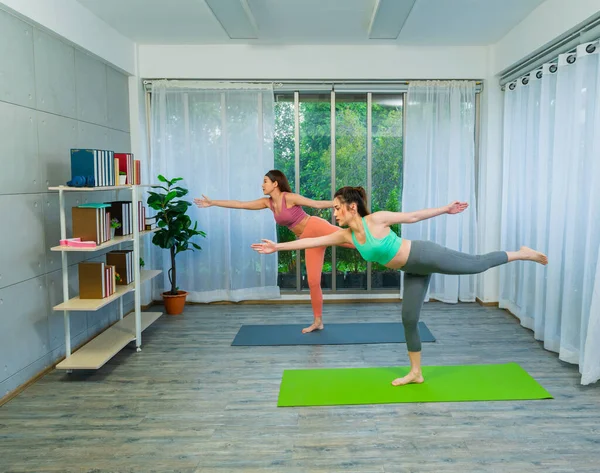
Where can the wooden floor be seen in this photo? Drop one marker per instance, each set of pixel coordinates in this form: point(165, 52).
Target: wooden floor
point(190, 402)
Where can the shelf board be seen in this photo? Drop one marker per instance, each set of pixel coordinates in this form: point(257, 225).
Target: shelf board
point(90, 189)
point(96, 189)
point(99, 350)
point(77, 305)
point(107, 244)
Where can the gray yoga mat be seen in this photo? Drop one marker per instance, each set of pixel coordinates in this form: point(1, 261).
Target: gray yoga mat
point(332, 334)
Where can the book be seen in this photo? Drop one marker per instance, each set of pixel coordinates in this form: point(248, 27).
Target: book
point(91, 224)
point(96, 166)
point(126, 165)
point(92, 283)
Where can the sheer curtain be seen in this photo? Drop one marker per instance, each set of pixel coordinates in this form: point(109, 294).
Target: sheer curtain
point(551, 201)
point(219, 138)
point(439, 167)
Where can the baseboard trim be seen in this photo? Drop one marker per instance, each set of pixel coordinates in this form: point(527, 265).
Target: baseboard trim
point(11, 395)
point(486, 304)
point(147, 306)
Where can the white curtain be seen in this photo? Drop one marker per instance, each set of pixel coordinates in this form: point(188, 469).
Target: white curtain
point(219, 138)
point(439, 167)
point(551, 202)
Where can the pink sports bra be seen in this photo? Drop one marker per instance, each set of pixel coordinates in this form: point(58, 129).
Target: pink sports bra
point(288, 217)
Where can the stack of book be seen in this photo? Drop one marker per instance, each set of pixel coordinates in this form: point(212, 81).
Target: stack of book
point(131, 167)
point(96, 166)
point(96, 280)
point(122, 260)
point(123, 212)
point(91, 222)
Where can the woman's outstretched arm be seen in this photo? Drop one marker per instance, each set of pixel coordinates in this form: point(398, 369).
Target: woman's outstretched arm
point(257, 204)
point(333, 239)
point(390, 218)
point(298, 199)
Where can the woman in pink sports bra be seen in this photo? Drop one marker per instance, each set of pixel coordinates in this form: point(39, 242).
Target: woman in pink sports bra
point(287, 210)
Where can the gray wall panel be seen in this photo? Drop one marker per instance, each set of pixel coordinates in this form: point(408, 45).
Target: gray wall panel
point(92, 136)
point(55, 75)
point(29, 329)
point(118, 100)
point(51, 231)
point(19, 158)
point(56, 136)
point(56, 326)
point(23, 254)
point(17, 83)
point(120, 141)
point(90, 76)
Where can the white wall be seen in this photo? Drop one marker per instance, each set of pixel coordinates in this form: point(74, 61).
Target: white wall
point(76, 24)
point(311, 62)
point(548, 21)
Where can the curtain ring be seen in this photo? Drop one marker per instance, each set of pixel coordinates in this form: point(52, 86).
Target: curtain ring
point(512, 86)
point(571, 59)
point(590, 48)
point(525, 80)
point(553, 68)
point(539, 74)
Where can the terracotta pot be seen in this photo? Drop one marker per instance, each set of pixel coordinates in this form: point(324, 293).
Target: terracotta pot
point(174, 305)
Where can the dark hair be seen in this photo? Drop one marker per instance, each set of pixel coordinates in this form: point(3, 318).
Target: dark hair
point(277, 176)
point(354, 195)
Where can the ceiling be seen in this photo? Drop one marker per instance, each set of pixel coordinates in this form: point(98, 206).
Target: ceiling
point(403, 22)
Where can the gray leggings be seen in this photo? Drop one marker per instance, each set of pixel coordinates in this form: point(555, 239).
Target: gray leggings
point(424, 259)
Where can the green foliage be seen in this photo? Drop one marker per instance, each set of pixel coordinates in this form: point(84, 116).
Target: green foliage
point(350, 161)
point(175, 227)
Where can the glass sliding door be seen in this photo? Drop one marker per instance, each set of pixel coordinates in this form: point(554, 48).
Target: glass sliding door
point(350, 170)
point(386, 175)
point(354, 139)
point(285, 159)
point(315, 164)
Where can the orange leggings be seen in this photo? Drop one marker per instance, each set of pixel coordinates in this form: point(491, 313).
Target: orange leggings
point(315, 257)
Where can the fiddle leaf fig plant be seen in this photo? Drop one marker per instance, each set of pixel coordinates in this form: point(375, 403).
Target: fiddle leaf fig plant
point(175, 230)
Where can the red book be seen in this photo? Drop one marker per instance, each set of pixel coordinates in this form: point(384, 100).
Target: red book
point(126, 165)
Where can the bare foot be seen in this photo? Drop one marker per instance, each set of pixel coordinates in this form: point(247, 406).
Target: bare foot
point(532, 255)
point(317, 325)
point(410, 378)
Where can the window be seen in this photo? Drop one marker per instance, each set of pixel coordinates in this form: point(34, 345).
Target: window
point(366, 130)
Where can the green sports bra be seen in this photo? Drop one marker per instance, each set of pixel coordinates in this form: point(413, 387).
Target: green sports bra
point(378, 250)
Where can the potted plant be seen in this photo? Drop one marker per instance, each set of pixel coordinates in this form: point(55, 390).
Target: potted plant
point(122, 178)
point(174, 234)
point(114, 224)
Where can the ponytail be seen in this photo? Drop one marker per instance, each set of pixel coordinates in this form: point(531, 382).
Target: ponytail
point(354, 195)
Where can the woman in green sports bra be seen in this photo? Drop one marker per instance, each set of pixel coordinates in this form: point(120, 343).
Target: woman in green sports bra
point(375, 241)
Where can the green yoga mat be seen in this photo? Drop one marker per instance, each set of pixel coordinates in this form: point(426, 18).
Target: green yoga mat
point(330, 387)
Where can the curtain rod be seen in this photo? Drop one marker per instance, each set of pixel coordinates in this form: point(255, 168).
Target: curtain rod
point(585, 32)
point(280, 85)
point(554, 61)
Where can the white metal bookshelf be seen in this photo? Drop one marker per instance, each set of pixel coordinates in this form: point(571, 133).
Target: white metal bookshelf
point(95, 353)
